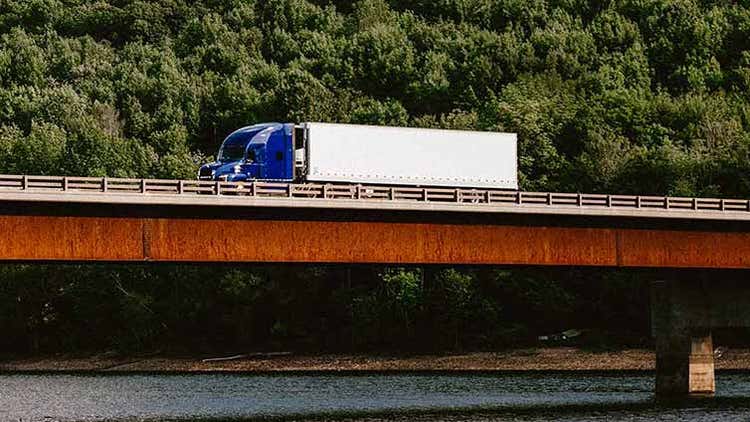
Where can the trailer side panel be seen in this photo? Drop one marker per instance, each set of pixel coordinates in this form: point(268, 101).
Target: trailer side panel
point(411, 156)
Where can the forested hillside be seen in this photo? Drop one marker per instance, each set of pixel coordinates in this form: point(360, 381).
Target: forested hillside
point(629, 96)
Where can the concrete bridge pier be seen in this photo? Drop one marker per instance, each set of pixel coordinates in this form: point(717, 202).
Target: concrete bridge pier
point(682, 316)
point(685, 364)
point(681, 324)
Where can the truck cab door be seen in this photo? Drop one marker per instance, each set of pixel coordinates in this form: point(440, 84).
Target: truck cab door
point(256, 157)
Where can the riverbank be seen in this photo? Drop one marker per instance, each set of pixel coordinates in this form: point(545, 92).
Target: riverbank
point(542, 359)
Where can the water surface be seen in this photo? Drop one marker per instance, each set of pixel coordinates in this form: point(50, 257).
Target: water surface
point(489, 397)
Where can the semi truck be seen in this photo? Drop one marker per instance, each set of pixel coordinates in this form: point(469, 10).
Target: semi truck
point(378, 155)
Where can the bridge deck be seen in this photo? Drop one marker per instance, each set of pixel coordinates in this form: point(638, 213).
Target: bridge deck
point(337, 196)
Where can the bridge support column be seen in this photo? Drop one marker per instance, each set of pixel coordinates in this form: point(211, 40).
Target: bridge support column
point(680, 321)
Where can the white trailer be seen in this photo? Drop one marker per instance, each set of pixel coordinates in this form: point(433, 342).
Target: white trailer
point(408, 156)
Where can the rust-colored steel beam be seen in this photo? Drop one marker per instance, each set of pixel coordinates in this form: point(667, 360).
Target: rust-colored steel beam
point(684, 249)
point(46, 238)
point(37, 238)
point(397, 243)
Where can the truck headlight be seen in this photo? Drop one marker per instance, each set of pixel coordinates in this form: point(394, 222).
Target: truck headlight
point(237, 168)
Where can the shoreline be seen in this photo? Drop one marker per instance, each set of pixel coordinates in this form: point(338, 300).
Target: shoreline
point(549, 359)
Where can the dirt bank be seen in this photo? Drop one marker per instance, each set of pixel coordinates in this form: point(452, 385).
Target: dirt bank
point(561, 358)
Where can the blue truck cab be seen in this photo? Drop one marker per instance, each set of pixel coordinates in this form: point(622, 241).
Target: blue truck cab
point(264, 151)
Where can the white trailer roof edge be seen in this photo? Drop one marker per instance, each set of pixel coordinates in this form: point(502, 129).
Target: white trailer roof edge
point(309, 124)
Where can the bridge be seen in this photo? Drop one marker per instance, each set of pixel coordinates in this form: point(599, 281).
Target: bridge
point(75, 219)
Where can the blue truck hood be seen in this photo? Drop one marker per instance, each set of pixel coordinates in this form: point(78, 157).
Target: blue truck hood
point(212, 171)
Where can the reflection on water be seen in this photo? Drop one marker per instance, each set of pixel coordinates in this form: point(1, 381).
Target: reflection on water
point(420, 397)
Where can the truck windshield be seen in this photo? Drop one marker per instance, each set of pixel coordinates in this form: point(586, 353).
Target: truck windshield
point(232, 152)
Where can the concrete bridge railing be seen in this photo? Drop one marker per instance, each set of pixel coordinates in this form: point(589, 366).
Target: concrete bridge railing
point(634, 205)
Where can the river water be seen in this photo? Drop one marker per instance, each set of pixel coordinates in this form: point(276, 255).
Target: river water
point(379, 397)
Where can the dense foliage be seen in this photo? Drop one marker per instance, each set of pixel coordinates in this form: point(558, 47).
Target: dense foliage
point(198, 309)
point(622, 96)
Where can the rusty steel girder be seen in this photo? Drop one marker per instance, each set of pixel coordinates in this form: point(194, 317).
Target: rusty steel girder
point(129, 239)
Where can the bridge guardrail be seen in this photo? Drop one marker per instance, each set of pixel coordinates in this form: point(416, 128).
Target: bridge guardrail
point(467, 196)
